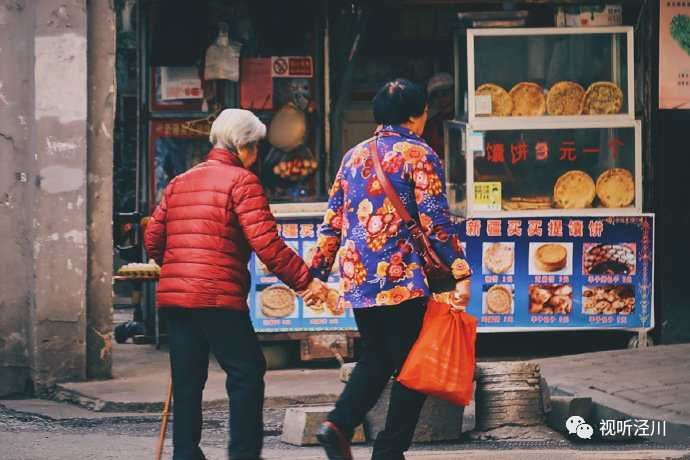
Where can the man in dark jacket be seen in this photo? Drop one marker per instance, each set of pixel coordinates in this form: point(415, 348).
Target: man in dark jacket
point(202, 234)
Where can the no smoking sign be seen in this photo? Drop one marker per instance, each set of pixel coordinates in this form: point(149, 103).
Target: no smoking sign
point(292, 67)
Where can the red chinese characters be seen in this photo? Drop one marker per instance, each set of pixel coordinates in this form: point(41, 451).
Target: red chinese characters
point(541, 149)
point(576, 228)
point(493, 227)
point(596, 228)
point(614, 146)
point(518, 152)
point(567, 150)
point(555, 227)
point(495, 152)
point(307, 231)
point(514, 228)
point(534, 228)
point(473, 227)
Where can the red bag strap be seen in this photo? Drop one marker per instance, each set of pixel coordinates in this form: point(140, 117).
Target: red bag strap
point(426, 251)
point(388, 188)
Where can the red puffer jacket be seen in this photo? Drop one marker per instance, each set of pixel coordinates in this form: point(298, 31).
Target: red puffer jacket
point(204, 230)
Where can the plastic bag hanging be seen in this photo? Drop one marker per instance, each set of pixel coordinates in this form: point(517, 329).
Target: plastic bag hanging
point(223, 57)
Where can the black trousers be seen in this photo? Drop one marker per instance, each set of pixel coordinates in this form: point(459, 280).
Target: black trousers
point(229, 335)
point(387, 335)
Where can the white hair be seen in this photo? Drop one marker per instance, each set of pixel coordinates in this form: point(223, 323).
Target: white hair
point(235, 128)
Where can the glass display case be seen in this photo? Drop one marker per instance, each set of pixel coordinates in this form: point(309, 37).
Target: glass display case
point(553, 170)
point(549, 74)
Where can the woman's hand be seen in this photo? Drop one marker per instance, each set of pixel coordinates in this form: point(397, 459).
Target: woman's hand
point(316, 292)
point(460, 298)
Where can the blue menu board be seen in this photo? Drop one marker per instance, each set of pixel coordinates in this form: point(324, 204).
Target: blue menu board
point(274, 308)
point(532, 273)
point(561, 272)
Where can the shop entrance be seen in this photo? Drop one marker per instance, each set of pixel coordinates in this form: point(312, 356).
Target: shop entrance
point(309, 70)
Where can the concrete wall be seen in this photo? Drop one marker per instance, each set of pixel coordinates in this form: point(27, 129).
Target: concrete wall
point(101, 117)
point(44, 195)
point(16, 195)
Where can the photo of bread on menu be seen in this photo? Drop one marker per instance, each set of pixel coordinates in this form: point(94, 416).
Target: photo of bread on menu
point(276, 301)
point(498, 299)
point(551, 258)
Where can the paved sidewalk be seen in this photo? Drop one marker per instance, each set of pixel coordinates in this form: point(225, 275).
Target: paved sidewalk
point(645, 383)
point(141, 374)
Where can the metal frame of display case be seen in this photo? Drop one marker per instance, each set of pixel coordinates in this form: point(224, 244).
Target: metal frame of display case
point(524, 124)
point(512, 122)
point(475, 124)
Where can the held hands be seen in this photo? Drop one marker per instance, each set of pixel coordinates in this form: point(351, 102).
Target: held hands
point(316, 293)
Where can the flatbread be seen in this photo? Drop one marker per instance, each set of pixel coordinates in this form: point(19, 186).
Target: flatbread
point(499, 258)
point(574, 190)
point(528, 100)
point(499, 300)
point(501, 102)
point(518, 203)
point(565, 98)
point(616, 188)
point(602, 98)
point(551, 257)
point(277, 301)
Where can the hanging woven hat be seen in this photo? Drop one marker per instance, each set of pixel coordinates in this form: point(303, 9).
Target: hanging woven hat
point(288, 128)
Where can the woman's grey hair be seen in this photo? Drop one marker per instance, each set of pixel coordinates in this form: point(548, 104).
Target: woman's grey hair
point(236, 128)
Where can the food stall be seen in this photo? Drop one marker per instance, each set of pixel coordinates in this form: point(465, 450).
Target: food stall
point(231, 54)
point(544, 165)
point(546, 172)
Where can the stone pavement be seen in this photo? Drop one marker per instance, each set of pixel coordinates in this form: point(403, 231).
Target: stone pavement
point(643, 383)
point(141, 375)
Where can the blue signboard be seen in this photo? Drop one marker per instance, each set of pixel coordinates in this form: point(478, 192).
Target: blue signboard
point(274, 308)
point(528, 274)
point(561, 272)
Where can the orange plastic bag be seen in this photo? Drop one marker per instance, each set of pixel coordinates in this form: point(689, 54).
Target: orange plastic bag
point(442, 360)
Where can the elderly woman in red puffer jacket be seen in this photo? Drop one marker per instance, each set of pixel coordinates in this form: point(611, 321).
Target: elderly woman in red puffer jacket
point(202, 233)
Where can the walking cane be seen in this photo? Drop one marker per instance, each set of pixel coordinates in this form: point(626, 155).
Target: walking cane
point(164, 422)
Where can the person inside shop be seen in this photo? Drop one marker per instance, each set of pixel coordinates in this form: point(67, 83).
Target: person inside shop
point(442, 101)
point(202, 233)
point(381, 270)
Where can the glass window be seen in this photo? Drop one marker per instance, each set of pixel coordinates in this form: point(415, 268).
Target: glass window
point(551, 74)
point(517, 170)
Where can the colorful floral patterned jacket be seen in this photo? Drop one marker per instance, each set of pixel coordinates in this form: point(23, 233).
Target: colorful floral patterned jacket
point(378, 263)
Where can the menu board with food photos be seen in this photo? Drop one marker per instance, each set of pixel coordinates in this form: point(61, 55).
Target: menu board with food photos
point(528, 274)
point(561, 272)
point(276, 308)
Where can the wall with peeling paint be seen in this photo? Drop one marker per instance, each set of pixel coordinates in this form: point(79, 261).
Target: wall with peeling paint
point(101, 118)
point(44, 194)
point(17, 220)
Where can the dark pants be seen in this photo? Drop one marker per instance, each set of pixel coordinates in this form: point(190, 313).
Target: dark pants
point(387, 334)
point(230, 336)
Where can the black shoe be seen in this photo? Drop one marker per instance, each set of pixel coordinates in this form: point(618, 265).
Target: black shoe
point(334, 442)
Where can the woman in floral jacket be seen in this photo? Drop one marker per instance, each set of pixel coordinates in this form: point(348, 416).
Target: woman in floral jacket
point(381, 272)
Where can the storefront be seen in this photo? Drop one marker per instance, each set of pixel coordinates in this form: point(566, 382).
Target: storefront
point(545, 162)
point(547, 168)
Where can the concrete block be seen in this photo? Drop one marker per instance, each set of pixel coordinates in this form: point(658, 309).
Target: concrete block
point(438, 421)
point(302, 423)
point(564, 407)
point(346, 371)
